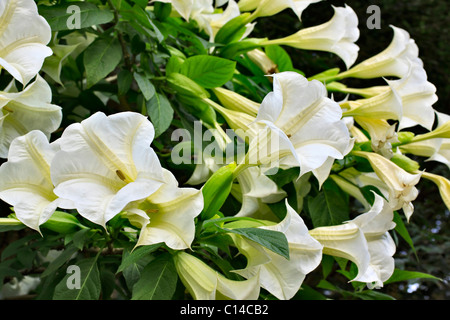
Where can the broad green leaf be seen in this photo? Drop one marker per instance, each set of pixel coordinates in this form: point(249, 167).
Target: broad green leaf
point(147, 88)
point(174, 65)
point(80, 237)
point(273, 240)
point(160, 112)
point(61, 17)
point(280, 57)
point(195, 43)
point(101, 58)
point(158, 280)
point(162, 10)
point(124, 81)
point(403, 275)
point(137, 254)
point(208, 71)
point(141, 21)
point(90, 285)
point(330, 206)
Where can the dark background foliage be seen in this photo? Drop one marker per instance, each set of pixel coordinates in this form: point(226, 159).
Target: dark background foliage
point(428, 22)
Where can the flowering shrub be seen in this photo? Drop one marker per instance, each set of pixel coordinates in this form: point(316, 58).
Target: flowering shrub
point(159, 151)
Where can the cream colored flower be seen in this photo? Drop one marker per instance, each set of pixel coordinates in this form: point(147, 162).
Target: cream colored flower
point(400, 184)
point(24, 36)
point(27, 110)
point(417, 96)
point(25, 181)
point(365, 241)
point(204, 283)
point(393, 61)
point(337, 35)
point(105, 163)
point(264, 8)
point(256, 190)
point(168, 214)
point(304, 122)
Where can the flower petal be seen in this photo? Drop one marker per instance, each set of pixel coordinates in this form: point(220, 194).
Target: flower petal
point(172, 211)
point(23, 45)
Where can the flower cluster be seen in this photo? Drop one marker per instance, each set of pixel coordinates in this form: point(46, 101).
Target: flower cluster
point(108, 173)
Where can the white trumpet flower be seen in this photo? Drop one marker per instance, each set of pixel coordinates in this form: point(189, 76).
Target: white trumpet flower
point(264, 8)
point(25, 181)
point(417, 96)
point(168, 214)
point(337, 35)
point(24, 36)
point(365, 241)
point(309, 125)
point(27, 110)
point(392, 61)
point(204, 283)
point(400, 184)
point(105, 163)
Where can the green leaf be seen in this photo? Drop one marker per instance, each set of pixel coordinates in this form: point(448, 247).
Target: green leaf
point(273, 240)
point(233, 30)
point(124, 81)
point(208, 71)
point(53, 64)
point(401, 229)
point(373, 295)
point(330, 206)
point(59, 260)
point(16, 245)
point(280, 57)
point(137, 254)
point(147, 88)
point(162, 10)
point(90, 285)
point(80, 237)
point(174, 65)
point(403, 275)
point(160, 112)
point(101, 58)
point(60, 18)
point(158, 280)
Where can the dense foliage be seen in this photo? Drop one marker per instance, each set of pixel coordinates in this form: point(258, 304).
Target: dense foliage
point(173, 150)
